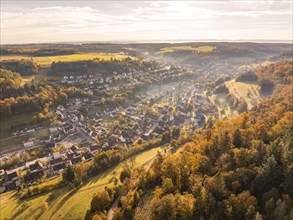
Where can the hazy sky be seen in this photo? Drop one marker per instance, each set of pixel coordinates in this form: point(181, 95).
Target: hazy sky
point(65, 21)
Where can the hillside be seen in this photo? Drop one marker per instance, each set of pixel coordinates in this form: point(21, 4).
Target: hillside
point(231, 97)
point(239, 169)
point(65, 202)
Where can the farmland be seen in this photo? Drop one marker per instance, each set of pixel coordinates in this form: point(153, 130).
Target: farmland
point(63, 204)
point(187, 48)
point(47, 60)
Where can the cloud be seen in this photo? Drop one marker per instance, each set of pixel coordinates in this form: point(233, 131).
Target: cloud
point(143, 20)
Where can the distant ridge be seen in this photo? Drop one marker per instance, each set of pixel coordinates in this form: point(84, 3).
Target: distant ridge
point(163, 41)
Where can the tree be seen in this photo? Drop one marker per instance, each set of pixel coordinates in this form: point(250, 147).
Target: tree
point(168, 186)
point(237, 141)
point(68, 175)
point(99, 216)
point(125, 173)
point(166, 137)
point(175, 133)
point(185, 205)
point(164, 208)
point(241, 206)
point(25, 156)
point(170, 170)
point(101, 201)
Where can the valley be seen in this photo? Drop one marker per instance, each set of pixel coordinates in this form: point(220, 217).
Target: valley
point(72, 124)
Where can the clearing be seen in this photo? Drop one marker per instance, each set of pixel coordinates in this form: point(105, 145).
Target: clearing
point(248, 91)
point(64, 204)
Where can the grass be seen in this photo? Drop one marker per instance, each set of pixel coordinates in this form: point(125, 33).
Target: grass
point(47, 60)
point(6, 123)
point(16, 143)
point(187, 48)
point(7, 141)
point(248, 91)
point(64, 204)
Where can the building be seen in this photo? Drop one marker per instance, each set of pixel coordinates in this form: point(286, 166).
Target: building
point(33, 176)
point(28, 144)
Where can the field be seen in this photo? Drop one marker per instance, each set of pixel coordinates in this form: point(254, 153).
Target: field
point(248, 91)
point(187, 48)
point(9, 142)
point(64, 204)
point(47, 60)
point(14, 120)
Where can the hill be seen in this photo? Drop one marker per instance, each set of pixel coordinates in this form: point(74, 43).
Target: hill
point(239, 168)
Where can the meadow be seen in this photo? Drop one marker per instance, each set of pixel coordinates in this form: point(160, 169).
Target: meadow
point(187, 48)
point(248, 91)
point(47, 60)
point(62, 203)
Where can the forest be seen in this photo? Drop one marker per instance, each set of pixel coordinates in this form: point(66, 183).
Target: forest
point(23, 67)
point(83, 67)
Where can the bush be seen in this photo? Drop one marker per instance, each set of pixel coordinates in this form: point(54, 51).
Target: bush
point(247, 77)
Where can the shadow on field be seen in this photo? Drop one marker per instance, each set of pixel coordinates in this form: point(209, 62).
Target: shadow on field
point(63, 201)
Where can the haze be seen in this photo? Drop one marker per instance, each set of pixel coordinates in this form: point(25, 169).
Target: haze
point(76, 21)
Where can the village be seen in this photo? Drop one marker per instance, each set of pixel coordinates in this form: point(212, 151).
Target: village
point(77, 136)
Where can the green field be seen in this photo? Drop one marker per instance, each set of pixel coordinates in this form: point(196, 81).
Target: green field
point(47, 60)
point(64, 204)
point(187, 48)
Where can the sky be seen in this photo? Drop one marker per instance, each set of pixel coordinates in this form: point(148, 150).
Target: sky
point(79, 21)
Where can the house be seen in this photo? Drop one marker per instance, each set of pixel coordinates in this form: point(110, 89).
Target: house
point(55, 161)
point(74, 148)
point(28, 144)
point(112, 140)
point(48, 171)
point(11, 185)
point(50, 145)
point(76, 160)
point(53, 130)
point(61, 108)
point(68, 129)
point(105, 146)
point(59, 167)
point(94, 147)
point(56, 155)
point(45, 139)
point(88, 155)
point(70, 156)
point(10, 176)
point(33, 176)
point(122, 139)
point(36, 166)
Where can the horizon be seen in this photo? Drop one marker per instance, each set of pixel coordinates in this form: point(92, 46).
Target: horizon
point(36, 22)
point(175, 41)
